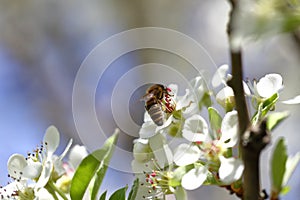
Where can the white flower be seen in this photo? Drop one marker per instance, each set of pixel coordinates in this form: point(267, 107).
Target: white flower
point(269, 85)
point(189, 103)
point(194, 178)
point(231, 169)
point(186, 154)
point(9, 192)
point(195, 129)
point(51, 163)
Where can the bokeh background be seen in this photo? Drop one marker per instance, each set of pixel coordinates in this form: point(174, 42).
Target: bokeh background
point(43, 43)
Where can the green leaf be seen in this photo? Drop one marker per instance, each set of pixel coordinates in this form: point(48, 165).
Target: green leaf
point(180, 193)
point(264, 108)
point(215, 119)
point(274, 119)
point(269, 104)
point(278, 165)
point(134, 190)
point(109, 146)
point(119, 194)
point(211, 179)
point(89, 167)
point(205, 101)
point(103, 196)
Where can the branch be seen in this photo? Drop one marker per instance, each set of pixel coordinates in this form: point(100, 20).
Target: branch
point(252, 139)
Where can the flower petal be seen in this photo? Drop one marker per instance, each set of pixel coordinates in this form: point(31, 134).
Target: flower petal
point(15, 165)
point(77, 153)
point(220, 76)
point(186, 154)
point(231, 169)
point(195, 129)
point(33, 170)
point(148, 130)
point(225, 96)
point(51, 139)
point(269, 85)
point(194, 178)
point(142, 152)
point(229, 129)
point(161, 150)
point(295, 100)
point(45, 175)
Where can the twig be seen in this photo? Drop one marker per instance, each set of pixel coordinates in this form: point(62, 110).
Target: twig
point(252, 139)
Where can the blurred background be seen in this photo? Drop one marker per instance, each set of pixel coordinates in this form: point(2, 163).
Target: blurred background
point(43, 43)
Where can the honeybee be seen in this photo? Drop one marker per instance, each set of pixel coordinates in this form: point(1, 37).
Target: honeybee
point(158, 103)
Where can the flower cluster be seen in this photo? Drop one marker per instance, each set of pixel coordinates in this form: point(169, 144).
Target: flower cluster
point(188, 151)
point(42, 174)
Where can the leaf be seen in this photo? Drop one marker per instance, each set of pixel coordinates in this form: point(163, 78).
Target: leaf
point(103, 196)
point(278, 165)
point(134, 190)
point(264, 108)
point(119, 194)
point(274, 119)
point(211, 179)
point(215, 119)
point(269, 104)
point(205, 101)
point(90, 165)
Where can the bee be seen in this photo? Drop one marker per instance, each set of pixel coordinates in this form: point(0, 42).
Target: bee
point(158, 103)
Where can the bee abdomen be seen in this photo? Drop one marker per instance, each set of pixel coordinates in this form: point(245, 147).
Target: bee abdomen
point(157, 115)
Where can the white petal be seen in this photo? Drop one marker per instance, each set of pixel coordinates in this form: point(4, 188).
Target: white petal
point(45, 175)
point(64, 153)
point(174, 90)
point(186, 154)
point(199, 87)
point(295, 100)
point(225, 95)
point(229, 129)
point(148, 129)
point(269, 85)
point(184, 101)
point(147, 117)
point(246, 89)
point(140, 168)
point(43, 194)
point(231, 169)
point(7, 191)
point(15, 165)
point(290, 166)
point(33, 170)
point(220, 76)
point(161, 150)
point(195, 129)
point(142, 152)
point(51, 139)
point(194, 178)
point(77, 154)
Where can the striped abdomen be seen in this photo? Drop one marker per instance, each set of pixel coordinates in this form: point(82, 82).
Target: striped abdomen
point(156, 113)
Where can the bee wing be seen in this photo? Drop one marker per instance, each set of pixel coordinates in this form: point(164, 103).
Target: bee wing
point(146, 97)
